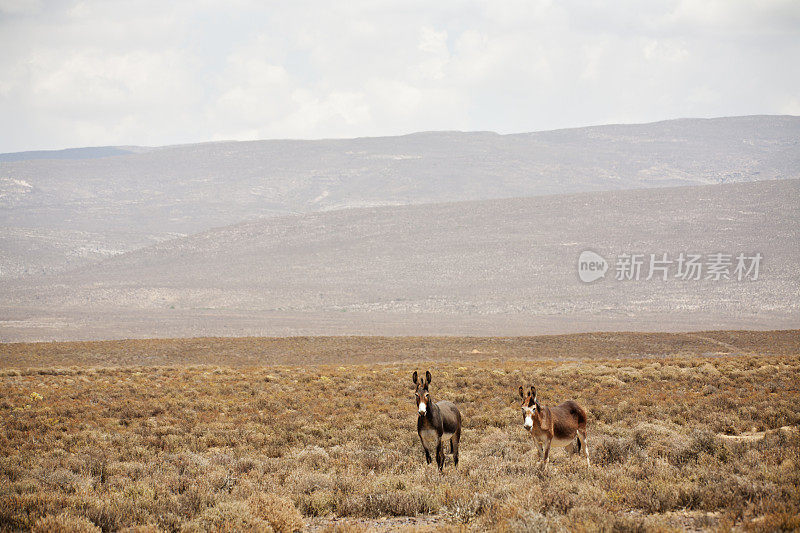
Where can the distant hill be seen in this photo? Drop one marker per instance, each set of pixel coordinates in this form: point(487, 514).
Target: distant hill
point(124, 201)
point(68, 153)
point(494, 267)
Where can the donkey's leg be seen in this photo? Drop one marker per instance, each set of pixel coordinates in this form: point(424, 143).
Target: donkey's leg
point(454, 440)
point(541, 450)
point(546, 454)
point(440, 454)
point(425, 448)
point(582, 440)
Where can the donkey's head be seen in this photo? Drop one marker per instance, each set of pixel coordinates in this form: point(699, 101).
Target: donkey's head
point(531, 410)
point(423, 397)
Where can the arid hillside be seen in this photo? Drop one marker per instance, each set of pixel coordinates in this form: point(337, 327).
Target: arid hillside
point(499, 267)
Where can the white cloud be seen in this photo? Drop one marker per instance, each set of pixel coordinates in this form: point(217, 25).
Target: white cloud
point(20, 7)
point(251, 90)
point(94, 81)
point(738, 17)
point(115, 72)
point(791, 107)
point(337, 110)
point(435, 55)
point(665, 51)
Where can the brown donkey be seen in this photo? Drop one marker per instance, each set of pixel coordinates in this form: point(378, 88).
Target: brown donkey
point(554, 426)
point(436, 422)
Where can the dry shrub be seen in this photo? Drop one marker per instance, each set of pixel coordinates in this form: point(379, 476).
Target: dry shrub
point(520, 520)
point(397, 503)
point(466, 508)
point(611, 381)
point(709, 370)
point(780, 521)
point(689, 451)
point(65, 523)
point(317, 503)
point(611, 450)
point(585, 519)
point(279, 511)
point(110, 514)
point(228, 517)
point(653, 437)
point(194, 499)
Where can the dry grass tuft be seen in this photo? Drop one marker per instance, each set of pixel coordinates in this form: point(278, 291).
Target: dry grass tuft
point(64, 523)
point(280, 512)
point(227, 517)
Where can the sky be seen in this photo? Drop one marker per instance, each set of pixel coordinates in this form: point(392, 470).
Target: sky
point(94, 73)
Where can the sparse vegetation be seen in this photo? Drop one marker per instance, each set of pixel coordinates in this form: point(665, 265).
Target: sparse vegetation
point(217, 447)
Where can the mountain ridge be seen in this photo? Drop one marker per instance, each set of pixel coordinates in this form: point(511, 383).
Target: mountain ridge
point(62, 214)
point(130, 148)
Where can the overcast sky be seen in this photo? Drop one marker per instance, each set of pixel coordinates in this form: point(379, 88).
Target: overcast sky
point(152, 73)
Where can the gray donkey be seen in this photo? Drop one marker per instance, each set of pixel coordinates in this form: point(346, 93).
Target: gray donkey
point(436, 422)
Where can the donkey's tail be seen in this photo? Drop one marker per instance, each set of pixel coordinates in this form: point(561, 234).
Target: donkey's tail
point(579, 445)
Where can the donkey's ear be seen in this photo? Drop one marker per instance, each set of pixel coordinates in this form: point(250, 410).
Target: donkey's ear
point(428, 376)
point(532, 401)
point(533, 391)
point(414, 377)
point(521, 392)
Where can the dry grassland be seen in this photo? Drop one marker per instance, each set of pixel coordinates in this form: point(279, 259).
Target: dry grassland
point(258, 351)
point(227, 446)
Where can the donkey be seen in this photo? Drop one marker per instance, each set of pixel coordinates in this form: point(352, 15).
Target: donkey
point(436, 422)
point(553, 426)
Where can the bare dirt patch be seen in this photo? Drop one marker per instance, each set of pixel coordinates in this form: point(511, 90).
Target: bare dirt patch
point(758, 435)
